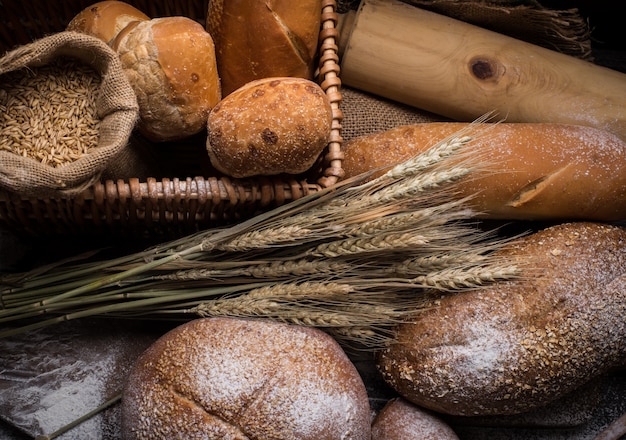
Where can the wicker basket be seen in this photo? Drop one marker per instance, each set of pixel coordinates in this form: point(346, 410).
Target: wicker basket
point(175, 204)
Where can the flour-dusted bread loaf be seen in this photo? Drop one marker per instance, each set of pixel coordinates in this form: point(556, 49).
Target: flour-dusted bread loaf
point(532, 171)
point(105, 19)
point(245, 379)
point(517, 345)
point(401, 420)
point(259, 39)
point(170, 62)
point(269, 126)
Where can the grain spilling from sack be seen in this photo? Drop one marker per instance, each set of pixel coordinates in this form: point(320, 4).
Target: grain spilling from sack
point(49, 112)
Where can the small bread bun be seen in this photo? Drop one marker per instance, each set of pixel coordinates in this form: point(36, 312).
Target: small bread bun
point(105, 19)
point(170, 62)
point(269, 126)
point(516, 346)
point(401, 420)
point(245, 379)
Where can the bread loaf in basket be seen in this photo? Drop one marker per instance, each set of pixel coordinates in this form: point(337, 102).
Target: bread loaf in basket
point(186, 193)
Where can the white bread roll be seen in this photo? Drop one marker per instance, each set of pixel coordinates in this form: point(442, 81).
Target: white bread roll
point(401, 420)
point(104, 20)
point(259, 39)
point(245, 379)
point(170, 63)
point(269, 126)
point(515, 346)
point(535, 171)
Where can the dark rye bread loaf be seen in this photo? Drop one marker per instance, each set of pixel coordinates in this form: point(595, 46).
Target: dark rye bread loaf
point(517, 345)
point(245, 379)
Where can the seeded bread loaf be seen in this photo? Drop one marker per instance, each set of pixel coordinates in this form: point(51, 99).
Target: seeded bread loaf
point(401, 420)
point(532, 171)
point(245, 379)
point(515, 346)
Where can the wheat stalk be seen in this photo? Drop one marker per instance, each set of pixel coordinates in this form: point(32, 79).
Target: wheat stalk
point(423, 217)
point(374, 243)
point(416, 184)
point(311, 315)
point(280, 236)
point(320, 219)
point(274, 269)
point(433, 156)
point(432, 263)
point(355, 259)
point(301, 290)
point(456, 278)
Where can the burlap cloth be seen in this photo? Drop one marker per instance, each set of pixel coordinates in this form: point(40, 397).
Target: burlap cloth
point(364, 114)
point(116, 106)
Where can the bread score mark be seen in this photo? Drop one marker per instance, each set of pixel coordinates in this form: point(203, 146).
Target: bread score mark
point(536, 187)
point(254, 400)
point(298, 45)
point(226, 425)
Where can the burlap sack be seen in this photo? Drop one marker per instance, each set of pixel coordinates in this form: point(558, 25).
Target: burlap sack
point(116, 106)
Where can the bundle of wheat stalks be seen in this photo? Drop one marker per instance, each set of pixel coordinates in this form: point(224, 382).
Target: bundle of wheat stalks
point(353, 260)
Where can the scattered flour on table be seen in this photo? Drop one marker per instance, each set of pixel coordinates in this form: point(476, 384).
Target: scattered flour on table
point(54, 404)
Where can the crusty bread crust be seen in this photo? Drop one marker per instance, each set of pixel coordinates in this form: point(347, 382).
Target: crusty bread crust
point(245, 379)
point(401, 420)
point(269, 126)
point(515, 346)
point(105, 19)
point(170, 62)
point(259, 39)
point(532, 171)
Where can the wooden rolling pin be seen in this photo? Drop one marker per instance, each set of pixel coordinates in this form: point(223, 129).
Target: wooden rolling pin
point(461, 71)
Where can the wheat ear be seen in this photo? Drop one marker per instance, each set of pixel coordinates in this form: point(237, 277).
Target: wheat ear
point(469, 277)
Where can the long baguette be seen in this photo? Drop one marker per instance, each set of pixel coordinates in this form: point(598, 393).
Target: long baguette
point(542, 171)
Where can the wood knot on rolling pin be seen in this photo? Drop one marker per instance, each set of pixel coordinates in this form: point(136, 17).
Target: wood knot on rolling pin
point(484, 69)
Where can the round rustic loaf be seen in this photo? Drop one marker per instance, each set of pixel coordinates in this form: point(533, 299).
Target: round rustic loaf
point(170, 62)
point(401, 420)
point(245, 379)
point(105, 19)
point(531, 171)
point(269, 126)
point(514, 346)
